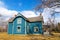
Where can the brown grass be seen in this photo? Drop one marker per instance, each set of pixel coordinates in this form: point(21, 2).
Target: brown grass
point(5, 36)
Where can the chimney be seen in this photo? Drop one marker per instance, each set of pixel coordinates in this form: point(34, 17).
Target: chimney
point(15, 15)
point(41, 17)
point(40, 14)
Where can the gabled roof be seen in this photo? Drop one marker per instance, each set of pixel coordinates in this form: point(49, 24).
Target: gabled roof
point(32, 19)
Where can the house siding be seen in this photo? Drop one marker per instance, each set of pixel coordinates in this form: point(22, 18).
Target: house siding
point(25, 26)
point(10, 26)
point(22, 25)
point(31, 26)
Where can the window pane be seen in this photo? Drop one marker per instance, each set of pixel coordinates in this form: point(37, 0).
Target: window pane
point(19, 21)
point(36, 29)
point(18, 29)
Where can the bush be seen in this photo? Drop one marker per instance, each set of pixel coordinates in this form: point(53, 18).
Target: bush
point(56, 30)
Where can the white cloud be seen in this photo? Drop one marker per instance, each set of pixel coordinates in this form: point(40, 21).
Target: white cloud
point(47, 13)
point(5, 12)
point(57, 19)
point(57, 9)
point(29, 14)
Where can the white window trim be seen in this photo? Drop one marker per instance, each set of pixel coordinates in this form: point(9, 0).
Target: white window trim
point(19, 20)
point(27, 28)
point(35, 29)
point(18, 29)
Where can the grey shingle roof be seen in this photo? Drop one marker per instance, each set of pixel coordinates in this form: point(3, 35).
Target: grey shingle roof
point(32, 19)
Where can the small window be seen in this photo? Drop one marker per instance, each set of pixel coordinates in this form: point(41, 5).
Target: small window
point(18, 28)
point(19, 21)
point(36, 29)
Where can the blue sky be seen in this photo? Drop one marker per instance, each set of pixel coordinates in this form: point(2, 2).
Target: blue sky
point(20, 5)
point(8, 8)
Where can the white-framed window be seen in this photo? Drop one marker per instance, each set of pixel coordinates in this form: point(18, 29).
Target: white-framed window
point(19, 20)
point(27, 28)
point(36, 29)
point(18, 28)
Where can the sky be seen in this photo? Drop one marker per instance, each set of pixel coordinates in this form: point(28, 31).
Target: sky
point(8, 8)
point(21, 5)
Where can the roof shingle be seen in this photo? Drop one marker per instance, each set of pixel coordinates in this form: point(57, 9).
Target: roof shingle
point(32, 19)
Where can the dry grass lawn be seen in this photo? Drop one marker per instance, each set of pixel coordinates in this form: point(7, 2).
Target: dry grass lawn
point(5, 36)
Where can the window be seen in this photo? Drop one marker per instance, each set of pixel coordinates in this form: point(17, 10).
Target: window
point(27, 28)
point(36, 29)
point(19, 21)
point(18, 29)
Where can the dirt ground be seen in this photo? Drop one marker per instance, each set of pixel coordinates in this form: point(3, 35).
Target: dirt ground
point(5, 36)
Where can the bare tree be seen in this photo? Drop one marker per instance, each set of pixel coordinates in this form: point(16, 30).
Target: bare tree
point(47, 3)
point(50, 4)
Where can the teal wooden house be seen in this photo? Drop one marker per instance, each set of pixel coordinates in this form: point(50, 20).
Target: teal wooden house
point(22, 25)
